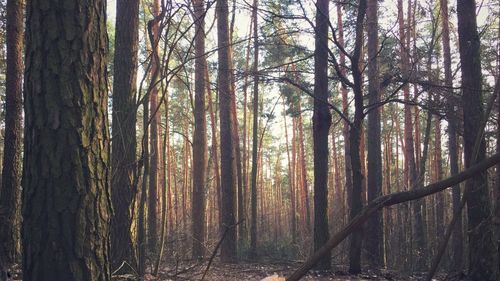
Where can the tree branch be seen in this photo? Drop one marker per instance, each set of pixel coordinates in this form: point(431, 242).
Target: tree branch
point(389, 200)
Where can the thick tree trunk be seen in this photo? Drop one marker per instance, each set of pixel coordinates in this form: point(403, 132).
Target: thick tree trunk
point(12, 169)
point(123, 156)
point(228, 163)
point(483, 253)
point(497, 187)
point(374, 241)
point(66, 201)
point(200, 133)
point(255, 137)
point(322, 120)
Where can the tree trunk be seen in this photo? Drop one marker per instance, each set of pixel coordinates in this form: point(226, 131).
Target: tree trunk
point(457, 238)
point(440, 220)
point(154, 139)
point(66, 201)
point(255, 137)
point(228, 163)
point(12, 169)
point(386, 201)
point(186, 181)
point(291, 185)
point(410, 162)
point(123, 156)
point(497, 187)
point(215, 152)
point(298, 202)
point(165, 173)
point(141, 224)
point(303, 171)
point(374, 241)
point(338, 207)
point(237, 156)
point(200, 133)
point(483, 253)
point(235, 134)
point(322, 120)
point(345, 111)
point(356, 202)
point(243, 235)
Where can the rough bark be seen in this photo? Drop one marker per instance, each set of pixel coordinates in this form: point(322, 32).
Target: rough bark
point(11, 171)
point(374, 241)
point(200, 133)
point(322, 120)
point(123, 156)
point(497, 187)
point(228, 163)
point(483, 254)
point(66, 192)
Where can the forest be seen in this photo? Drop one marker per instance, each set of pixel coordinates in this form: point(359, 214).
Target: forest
point(249, 140)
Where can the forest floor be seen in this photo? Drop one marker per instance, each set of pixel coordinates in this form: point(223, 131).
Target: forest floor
point(246, 271)
point(257, 271)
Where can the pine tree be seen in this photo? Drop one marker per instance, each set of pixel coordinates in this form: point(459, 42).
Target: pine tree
point(66, 201)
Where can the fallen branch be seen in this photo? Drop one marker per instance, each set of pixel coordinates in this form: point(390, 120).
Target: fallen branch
point(124, 263)
point(389, 200)
point(214, 253)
